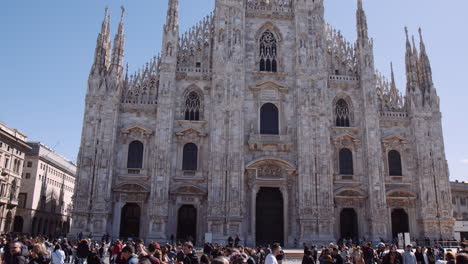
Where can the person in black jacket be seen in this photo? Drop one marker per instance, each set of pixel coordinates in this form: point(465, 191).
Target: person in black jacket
point(39, 254)
point(82, 252)
point(308, 258)
point(190, 257)
point(14, 254)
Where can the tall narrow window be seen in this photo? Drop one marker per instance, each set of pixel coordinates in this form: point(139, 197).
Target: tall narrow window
point(269, 120)
point(342, 114)
point(192, 107)
point(135, 155)
point(268, 52)
point(190, 157)
point(394, 163)
point(346, 162)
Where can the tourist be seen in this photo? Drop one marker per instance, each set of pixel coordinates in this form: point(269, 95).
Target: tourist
point(93, 258)
point(82, 252)
point(271, 258)
point(357, 256)
point(238, 258)
point(39, 254)
point(220, 260)
point(368, 253)
point(190, 257)
point(431, 259)
point(230, 241)
point(420, 256)
point(392, 257)
point(116, 250)
point(408, 256)
point(450, 257)
point(236, 241)
point(380, 253)
point(308, 258)
point(462, 258)
point(58, 255)
point(337, 259)
point(14, 254)
point(128, 255)
point(204, 259)
point(345, 254)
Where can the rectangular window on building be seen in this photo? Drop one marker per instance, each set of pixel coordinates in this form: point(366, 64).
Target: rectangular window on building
point(7, 160)
point(462, 201)
point(29, 164)
point(28, 175)
point(22, 200)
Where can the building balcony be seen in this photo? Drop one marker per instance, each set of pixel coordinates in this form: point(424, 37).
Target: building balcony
point(270, 143)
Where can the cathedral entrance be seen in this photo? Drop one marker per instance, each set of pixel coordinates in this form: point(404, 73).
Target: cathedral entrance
point(187, 223)
point(269, 224)
point(349, 224)
point(400, 222)
point(130, 221)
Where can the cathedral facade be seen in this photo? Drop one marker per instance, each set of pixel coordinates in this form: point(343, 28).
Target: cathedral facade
point(260, 121)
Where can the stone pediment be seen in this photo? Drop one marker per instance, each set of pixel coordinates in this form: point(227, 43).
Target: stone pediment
point(350, 194)
point(190, 131)
point(131, 188)
point(269, 85)
point(269, 168)
point(346, 136)
point(395, 138)
point(136, 130)
point(188, 190)
point(401, 194)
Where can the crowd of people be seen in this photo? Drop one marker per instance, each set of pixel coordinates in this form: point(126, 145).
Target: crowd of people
point(39, 250)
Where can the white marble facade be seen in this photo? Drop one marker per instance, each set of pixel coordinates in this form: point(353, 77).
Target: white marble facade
point(261, 115)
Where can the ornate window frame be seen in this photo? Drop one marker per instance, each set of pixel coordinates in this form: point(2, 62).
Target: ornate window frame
point(270, 27)
point(400, 144)
point(183, 103)
point(352, 143)
point(350, 105)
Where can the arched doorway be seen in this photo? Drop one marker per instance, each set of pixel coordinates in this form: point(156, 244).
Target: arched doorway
point(400, 222)
point(18, 224)
point(187, 223)
point(349, 224)
point(130, 221)
point(269, 224)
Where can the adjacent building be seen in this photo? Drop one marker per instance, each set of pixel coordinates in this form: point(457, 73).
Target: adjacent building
point(460, 209)
point(12, 154)
point(45, 196)
point(261, 121)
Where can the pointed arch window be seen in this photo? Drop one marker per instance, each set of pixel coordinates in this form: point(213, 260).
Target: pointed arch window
point(346, 162)
point(192, 107)
point(394, 163)
point(269, 119)
point(342, 114)
point(190, 157)
point(268, 52)
point(135, 155)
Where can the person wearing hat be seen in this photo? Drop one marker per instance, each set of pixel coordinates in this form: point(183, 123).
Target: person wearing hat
point(380, 253)
point(408, 256)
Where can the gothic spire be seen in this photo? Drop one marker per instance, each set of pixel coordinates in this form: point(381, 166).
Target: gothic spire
point(102, 52)
point(393, 84)
point(362, 29)
point(119, 47)
point(172, 20)
point(426, 71)
point(412, 78)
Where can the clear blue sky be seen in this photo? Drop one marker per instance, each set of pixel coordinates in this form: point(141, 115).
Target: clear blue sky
point(47, 48)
